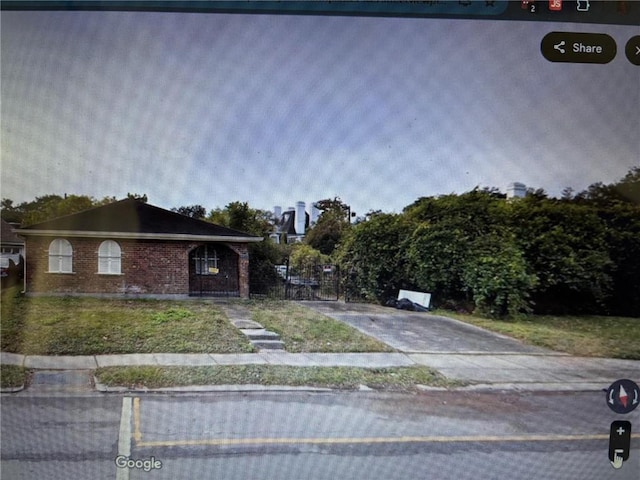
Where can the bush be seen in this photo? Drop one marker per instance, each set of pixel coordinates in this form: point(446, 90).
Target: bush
point(496, 276)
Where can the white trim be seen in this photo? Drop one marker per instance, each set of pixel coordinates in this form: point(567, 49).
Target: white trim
point(141, 236)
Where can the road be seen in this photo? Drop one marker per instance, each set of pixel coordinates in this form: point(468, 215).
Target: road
point(303, 435)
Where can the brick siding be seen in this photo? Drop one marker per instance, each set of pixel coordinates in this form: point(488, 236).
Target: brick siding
point(147, 267)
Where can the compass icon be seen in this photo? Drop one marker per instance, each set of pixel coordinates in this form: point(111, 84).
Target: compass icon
point(623, 396)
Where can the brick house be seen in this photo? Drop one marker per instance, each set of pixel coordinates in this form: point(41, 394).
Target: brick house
point(133, 248)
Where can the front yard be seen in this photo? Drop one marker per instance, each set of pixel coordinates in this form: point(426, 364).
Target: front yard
point(90, 326)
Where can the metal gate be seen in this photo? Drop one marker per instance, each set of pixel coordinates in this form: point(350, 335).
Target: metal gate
point(312, 282)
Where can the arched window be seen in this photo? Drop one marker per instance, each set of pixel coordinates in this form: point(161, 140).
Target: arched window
point(60, 256)
point(109, 255)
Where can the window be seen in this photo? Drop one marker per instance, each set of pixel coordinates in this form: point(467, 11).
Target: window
point(206, 259)
point(109, 255)
point(60, 256)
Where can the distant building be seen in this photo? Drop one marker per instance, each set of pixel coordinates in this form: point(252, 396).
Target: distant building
point(12, 257)
point(10, 243)
point(292, 225)
point(516, 190)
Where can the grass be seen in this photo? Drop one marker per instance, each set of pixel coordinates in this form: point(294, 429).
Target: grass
point(12, 376)
point(348, 378)
point(589, 336)
point(303, 330)
point(91, 326)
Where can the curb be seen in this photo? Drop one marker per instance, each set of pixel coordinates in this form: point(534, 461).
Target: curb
point(533, 387)
point(12, 389)
point(480, 388)
point(100, 387)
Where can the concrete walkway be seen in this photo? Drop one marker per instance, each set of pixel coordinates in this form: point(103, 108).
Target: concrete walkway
point(508, 371)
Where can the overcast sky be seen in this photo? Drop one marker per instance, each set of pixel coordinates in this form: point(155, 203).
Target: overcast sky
point(208, 109)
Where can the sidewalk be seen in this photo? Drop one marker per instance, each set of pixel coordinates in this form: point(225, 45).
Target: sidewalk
point(485, 371)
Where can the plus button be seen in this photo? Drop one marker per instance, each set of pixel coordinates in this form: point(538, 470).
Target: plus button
point(620, 431)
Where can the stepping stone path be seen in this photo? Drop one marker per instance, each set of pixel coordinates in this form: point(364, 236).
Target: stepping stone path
point(259, 337)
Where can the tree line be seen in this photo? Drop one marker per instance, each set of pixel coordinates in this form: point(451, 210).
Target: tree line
point(578, 254)
point(477, 251)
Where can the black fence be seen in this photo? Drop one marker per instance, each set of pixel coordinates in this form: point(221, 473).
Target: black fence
point(352, 291)
point(312, 282)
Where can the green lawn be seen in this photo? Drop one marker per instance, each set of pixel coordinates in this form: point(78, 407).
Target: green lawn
point(304, 330)
point(589, 336)
point(12, 376)
point(90, 326)
point(398, 378)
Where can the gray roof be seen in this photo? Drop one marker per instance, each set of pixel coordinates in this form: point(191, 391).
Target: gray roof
point(8, 236)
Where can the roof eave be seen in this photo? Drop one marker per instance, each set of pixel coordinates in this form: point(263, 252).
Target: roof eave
point(140, 236)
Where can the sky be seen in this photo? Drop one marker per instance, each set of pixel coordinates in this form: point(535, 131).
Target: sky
point(213, 108)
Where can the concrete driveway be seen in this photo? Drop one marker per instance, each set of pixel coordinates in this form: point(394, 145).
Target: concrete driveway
point(471, 354)
point(412, 332)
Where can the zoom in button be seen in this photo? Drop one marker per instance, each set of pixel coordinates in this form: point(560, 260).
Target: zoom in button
point(570, 47)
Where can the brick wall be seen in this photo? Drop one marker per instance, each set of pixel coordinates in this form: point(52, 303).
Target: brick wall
point(148, 267)
point(243, 267)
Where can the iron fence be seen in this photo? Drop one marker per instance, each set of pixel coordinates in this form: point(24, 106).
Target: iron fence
point(312, 282)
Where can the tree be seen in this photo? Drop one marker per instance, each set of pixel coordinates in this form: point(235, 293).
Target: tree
point(624, 191)
point(372, 257)
point(332, 224)
point(193, 211)
point(437, 254)
point(263, 256)
point(623, 242)
point(565, 244)
point(11, 213)
point(447, 228)
point(135, 196)
point(240, 216)
point(48, 207)
point(496, 276)
point(304, 257)
point(477, 212)
point(52, 206)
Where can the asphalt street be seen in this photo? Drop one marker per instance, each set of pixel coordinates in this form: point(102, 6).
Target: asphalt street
point(294, 435)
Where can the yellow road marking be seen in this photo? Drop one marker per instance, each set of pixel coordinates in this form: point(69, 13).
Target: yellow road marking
point(137, 432)
point(351, 440)
point(368, 440)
